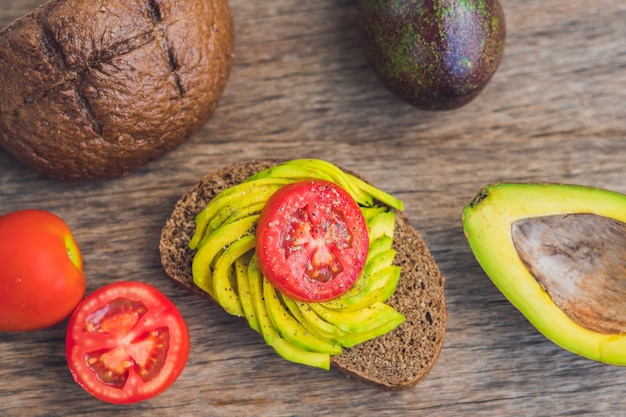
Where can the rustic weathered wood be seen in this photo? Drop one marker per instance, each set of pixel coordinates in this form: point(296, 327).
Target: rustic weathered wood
point(301, 87)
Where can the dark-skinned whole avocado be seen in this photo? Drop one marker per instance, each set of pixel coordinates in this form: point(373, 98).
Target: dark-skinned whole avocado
point(434, 54)
point(558, 254)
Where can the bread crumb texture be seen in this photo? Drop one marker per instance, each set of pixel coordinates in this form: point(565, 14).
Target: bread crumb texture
point(406, 355)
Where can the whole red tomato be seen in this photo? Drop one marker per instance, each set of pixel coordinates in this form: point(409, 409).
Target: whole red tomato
point(41, 270)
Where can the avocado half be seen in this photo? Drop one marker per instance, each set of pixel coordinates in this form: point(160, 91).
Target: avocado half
point(558, 254)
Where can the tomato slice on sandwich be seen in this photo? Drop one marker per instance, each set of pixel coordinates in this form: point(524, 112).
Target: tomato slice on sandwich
point(311, 240)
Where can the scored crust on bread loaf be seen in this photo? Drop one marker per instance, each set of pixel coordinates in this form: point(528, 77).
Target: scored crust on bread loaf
point(396, 360)
point(94, 89)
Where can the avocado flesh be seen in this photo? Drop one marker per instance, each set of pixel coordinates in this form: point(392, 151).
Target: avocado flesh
point(558, 254)
point(225, 266)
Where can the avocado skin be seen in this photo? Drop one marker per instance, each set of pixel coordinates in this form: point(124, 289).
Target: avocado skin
point(434, 54)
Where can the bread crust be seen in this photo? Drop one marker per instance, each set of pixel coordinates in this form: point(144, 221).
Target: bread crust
point(94, 89)
point(394, 361)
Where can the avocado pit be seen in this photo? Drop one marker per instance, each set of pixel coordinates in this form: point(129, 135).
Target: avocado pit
point(580, 261)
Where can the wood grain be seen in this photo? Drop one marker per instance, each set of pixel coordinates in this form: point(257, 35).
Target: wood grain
point(301, 87)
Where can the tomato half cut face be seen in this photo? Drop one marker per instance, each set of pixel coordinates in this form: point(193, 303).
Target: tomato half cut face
point(126, 342)
point(311, 240)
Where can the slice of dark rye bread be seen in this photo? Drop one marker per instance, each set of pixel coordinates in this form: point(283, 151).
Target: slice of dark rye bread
point(396, 360)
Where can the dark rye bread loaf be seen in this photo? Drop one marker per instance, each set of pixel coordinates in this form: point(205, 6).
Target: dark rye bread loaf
point(94, 89)
point(396, 360)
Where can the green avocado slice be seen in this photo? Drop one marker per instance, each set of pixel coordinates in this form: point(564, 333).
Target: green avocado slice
point(225, 266)
point(558, 254)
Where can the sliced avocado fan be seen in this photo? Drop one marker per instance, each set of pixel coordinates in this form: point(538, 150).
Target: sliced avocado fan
point(558, 254)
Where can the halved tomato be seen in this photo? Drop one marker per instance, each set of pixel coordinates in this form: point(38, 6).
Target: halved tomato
point(126, 342)
point(311, 240)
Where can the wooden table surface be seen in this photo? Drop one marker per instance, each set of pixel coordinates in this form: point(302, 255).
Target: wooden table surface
point(301, 87)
